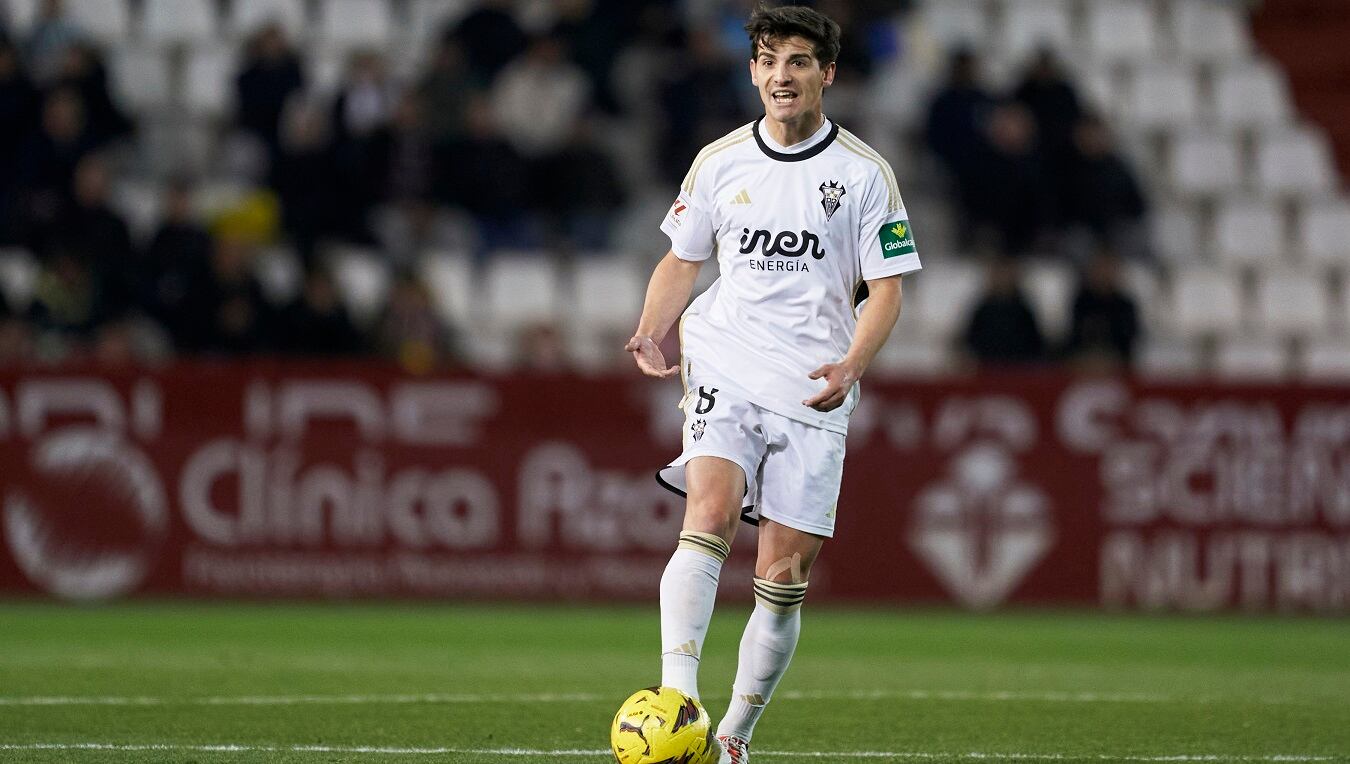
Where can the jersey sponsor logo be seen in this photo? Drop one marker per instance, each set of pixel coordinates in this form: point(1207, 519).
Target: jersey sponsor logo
point(677, 211)
point(831, 196)
point(785, 243)
point(897, 239)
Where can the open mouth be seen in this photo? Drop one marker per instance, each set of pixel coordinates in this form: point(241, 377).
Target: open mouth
point(783, 97)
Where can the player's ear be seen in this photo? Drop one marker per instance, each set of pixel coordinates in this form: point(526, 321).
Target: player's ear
point(828, 75)
point(754, 72)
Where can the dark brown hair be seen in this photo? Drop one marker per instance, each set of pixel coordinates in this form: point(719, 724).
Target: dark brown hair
point(767, 25)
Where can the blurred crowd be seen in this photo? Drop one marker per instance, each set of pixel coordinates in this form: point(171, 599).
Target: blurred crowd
point(510, 136)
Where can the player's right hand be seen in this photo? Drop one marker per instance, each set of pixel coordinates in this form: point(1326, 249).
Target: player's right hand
point(649, 358)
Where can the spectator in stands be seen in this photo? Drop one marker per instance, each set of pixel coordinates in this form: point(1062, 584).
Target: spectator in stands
point(83, 71)
point(317, 323)
point(1103, 195)
point(1105, 328)
point(227, 312)
point(490, 38)
point(1011, 197)
point(47, 161)
point(303, 176)
point(590, 28)
point(444, 91)
point(129, 342)
point(539, 97)
point(486, 177)
point(1002, 329)
point(177, 263)
point(957, 126)
point(578, 191)
point(410, 333)
point(271, 74)
point(67, 304)
point(699, 101)
point(89, 227)
point(52, 33)
point(361, 117)
point(18, 119)
point(1053, 102)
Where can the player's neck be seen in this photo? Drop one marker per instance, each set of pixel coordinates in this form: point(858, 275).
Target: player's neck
point(788, 134)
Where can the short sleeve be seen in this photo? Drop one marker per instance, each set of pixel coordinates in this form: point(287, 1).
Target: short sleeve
point(690, 228)
point(886, 243)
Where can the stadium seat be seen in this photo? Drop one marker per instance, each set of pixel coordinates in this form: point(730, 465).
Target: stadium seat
point(363, 279)
point(1165, 359)
point(247, 16)
point(18, 277)
point(139, 202)
point(606, 293)
point(1205, 162)
point(18, 15)
point(1251, 94)
point(450, 278)
point(1101, 89)
point(1326, 360)
point(1210, 29)
point(1177, 233)
point(208, 81)
point(1252, 360)
point(1292, 302)
point(1324, 233)
point(940, 301)
point(1050, 286)
point(1296, 162)
point(1029, 25)
point(905, 356)
point(325, 68)
point(178, 22)
point(107, 21)
point(1142, 283)
point(355, 23)
point(521, 289)
point(280, 273)
point(1249, 231)
point(1121, 30)
point(141, 78)
point(1161, 95)
point(1204, 301)
point(428, 17)
point(954, 23)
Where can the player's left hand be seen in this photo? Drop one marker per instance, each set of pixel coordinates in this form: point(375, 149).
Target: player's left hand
point(839, 379)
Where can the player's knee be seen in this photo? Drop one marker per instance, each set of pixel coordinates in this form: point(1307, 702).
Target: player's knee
point(789, 569)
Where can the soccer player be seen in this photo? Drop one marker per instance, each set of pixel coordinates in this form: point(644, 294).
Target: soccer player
point(806, 222)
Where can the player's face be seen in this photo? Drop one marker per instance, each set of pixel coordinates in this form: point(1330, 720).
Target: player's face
point(790, 80)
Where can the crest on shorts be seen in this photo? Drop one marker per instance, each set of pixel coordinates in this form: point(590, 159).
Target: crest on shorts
point(831, 194)
point(697, 429)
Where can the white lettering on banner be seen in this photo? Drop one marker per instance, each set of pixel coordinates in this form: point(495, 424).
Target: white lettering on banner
point(324, 503)
point(39, 400)
point(1304, 570)
point(561, 497)
point(439, 413)
point(1001, 417)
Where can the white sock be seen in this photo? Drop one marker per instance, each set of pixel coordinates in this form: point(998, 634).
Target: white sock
point(767, 645)
point(688, 592)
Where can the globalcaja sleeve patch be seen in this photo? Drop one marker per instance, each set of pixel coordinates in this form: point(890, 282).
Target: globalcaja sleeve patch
point(897, 239)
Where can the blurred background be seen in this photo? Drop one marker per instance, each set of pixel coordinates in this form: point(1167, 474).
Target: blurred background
point(347, 238)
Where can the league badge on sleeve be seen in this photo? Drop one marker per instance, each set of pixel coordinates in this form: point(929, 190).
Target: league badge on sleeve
point(831, 195)
point(897, 239)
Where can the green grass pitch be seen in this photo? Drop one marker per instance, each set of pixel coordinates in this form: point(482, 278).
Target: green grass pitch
point(185, 682)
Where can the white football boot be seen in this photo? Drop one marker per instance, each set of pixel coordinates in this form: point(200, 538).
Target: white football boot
point(734, 750)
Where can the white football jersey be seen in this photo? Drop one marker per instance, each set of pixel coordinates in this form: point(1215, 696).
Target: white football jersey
point(796, 231)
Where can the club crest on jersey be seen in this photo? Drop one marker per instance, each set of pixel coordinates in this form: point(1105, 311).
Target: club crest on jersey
point(831, 196)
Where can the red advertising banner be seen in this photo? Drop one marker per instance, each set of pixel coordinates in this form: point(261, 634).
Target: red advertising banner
point(330, 480)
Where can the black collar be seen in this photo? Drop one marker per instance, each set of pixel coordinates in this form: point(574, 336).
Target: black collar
point(801, 155)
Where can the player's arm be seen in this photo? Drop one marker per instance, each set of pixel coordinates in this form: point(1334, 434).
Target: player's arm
point(667, 294)
point(874, 326)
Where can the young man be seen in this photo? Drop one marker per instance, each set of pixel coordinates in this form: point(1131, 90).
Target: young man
point(806, 221)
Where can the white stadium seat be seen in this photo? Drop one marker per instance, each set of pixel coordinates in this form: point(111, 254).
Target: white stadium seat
point(280, 273)
point(905, 356)
point(355, 23)
point(1142, 283)
point(1050, 287)
point(939, 303)
point(1176, 232)
point(1205, 301)
point(208, 80)
point(1325, 233)
point(18, 15)
point(1205, 162)
point(1326, 360)
point(247, 16)
point(1163, 359)
point(1161, 95)
point(521, 289)
point(139, 203)
point(1296, 162)
point(1121, 30)
point(1252, 360)
point(108, 21)
point(363, 279)
point(1251, 94)
point(1029, 25)
point(606, 293)
point(956, 23)
point(450, 278)
point(1290, 302)
point(1210, 29)
point(18, 277)
point(429, 17)
point(1249, 231)
point(171, 22)
point(141, 78)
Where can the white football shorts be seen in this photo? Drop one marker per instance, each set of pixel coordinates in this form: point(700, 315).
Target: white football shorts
point(792, 469)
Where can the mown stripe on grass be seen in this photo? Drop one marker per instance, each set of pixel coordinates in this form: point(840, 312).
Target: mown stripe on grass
point(532, 752)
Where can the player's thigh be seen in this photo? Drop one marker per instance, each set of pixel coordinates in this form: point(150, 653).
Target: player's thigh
point(716, 488)
point(786, 554)
point(800, 479)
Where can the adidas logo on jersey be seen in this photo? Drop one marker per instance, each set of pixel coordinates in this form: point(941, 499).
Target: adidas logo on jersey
point(742, 198)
